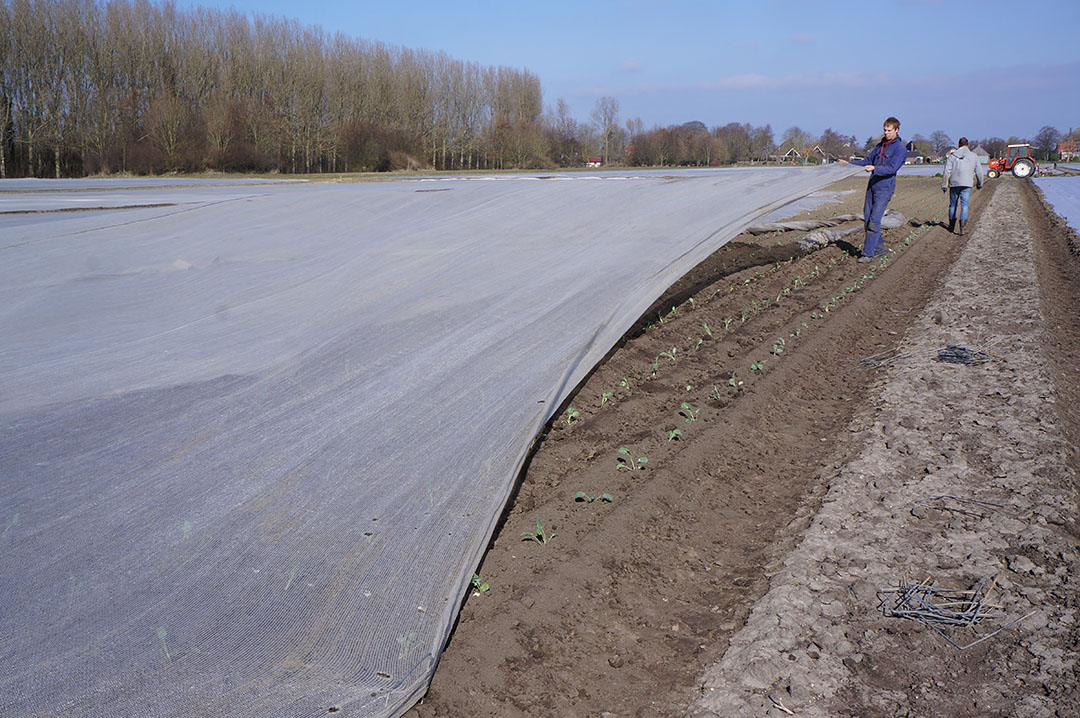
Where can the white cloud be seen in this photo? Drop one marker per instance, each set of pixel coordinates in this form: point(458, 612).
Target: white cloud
point(629, 66)
point(748, 81)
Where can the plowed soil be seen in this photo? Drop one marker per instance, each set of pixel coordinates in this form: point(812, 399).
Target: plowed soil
point(752, 388)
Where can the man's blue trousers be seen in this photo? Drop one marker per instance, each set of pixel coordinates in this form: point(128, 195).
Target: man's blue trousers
point(877, 199)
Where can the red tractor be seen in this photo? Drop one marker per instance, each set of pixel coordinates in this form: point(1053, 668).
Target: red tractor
point(1019, 161)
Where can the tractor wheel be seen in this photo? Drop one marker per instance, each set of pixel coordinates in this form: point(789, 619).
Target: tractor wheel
point(1023, 168)
point(992, 174)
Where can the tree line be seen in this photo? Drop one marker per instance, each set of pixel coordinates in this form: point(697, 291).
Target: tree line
point(92, 87)
point(133, 86)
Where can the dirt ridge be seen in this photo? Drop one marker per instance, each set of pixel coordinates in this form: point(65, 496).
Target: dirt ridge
point(957, 481)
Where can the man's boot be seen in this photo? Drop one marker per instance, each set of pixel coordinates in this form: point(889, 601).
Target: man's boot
point(952, 224)
point(961, 223)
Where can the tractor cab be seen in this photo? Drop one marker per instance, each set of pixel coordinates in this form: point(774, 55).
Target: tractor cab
point(1018, 160)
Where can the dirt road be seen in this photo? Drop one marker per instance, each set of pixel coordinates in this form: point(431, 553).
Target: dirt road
point(805, 450)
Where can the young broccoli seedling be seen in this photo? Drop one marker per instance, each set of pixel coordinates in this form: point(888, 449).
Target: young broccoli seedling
point(629, 461)
point(539, 536)
point(688, 412)
point(480, 586)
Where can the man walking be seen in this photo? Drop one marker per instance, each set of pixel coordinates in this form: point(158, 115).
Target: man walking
point(882, 163)
point(962, 170)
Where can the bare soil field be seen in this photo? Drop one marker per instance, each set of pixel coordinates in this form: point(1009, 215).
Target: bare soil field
point(806, 450)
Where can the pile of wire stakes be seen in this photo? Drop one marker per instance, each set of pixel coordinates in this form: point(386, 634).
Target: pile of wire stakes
point(944, 608)
point(952, 354)
point(955, 354)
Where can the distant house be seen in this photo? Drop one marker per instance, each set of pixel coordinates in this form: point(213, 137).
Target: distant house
point(983, 155)
point(786, 152)
point(914, 154)
point(1067, 150)
point(809, 152)
point(594, 162)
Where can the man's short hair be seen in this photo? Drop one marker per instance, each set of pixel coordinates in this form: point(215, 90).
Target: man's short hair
point(892, 122)
point(963, 142)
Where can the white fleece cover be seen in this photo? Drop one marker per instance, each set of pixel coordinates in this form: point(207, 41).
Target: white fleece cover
point(255, 437)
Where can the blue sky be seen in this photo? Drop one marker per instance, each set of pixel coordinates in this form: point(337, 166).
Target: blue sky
point(979, 68)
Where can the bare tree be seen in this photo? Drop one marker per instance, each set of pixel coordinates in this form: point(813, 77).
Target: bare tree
point(514, 131)
point(834, 145)
point(700, 148)
point(166, 126)
point(219, 130)
point(994, 146)
point(662, 146)
point(693, 143)
point(721, 152)
point(565, 136)
point(737, 141)
point(7, 70)
point(1046, 141)
point(470, 111)
point(417, 98)
point(36, 80)
point(605, 117)
point(940, 142)
point(762, 144)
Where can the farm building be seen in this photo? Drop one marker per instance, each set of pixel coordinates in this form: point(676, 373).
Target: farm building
point(786, 152)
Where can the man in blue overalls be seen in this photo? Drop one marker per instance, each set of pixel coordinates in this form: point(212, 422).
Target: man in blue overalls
point(882, 163)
